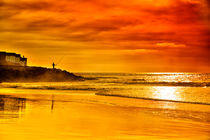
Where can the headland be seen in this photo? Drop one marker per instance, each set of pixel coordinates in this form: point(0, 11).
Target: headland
point(35, 74)
point(13, 68)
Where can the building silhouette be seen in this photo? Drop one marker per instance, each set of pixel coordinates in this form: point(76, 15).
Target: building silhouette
point(12, 59)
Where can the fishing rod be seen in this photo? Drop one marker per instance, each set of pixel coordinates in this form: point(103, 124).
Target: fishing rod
point(59, 60)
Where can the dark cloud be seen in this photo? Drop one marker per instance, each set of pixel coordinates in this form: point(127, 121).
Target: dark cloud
point(181, 13)
point(38, 5)
point(109, 24)
point(46, 24)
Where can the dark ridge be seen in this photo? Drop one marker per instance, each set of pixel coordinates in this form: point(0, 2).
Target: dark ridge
point(35, 74)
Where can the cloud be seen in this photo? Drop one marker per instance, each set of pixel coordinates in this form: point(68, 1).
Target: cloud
point(25, 5)
point(134, 29)
point(173, 45)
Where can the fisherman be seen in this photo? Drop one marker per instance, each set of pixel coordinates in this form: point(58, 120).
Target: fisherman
point(53, 64)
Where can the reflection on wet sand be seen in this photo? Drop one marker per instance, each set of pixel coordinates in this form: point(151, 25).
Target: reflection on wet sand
point(52, 105)
point(11, 107)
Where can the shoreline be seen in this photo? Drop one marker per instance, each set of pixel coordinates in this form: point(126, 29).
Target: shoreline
point(153, 99)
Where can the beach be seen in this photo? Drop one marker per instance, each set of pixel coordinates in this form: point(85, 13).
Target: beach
point(61, 116)
point(36, 112)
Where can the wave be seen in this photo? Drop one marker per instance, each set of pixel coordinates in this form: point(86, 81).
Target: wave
point(148, 83)
point(186, 84)
point(153, 99)
point(141, 74)
point(53, 87)
point(49, 87)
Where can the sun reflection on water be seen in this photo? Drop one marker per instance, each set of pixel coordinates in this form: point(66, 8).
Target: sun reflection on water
point(166, 93)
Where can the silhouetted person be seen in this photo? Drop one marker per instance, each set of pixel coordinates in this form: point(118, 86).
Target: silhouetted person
point(53, 65)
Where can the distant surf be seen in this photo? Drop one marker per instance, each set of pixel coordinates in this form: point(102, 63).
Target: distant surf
point(46, 87)
point(175, 87)
point(143, 82)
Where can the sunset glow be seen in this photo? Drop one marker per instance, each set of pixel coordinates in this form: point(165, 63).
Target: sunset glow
point(109, 36)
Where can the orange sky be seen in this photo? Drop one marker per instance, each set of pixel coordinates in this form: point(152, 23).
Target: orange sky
point(109, 35)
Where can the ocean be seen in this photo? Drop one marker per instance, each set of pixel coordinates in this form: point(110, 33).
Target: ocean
point(178, 87)
point(109, 106)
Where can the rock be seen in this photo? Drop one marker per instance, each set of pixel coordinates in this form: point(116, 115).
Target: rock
point(35, 74)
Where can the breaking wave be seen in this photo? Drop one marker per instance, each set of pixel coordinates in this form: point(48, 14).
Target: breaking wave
point(48, 87)
point(186, 84)
point(154, 99)
point(147, 83)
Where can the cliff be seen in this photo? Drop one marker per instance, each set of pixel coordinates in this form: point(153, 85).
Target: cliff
point(35, 74)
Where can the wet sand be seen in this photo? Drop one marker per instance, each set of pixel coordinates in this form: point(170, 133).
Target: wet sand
point(54, 115)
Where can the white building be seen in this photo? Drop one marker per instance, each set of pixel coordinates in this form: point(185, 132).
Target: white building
point(12, 59)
